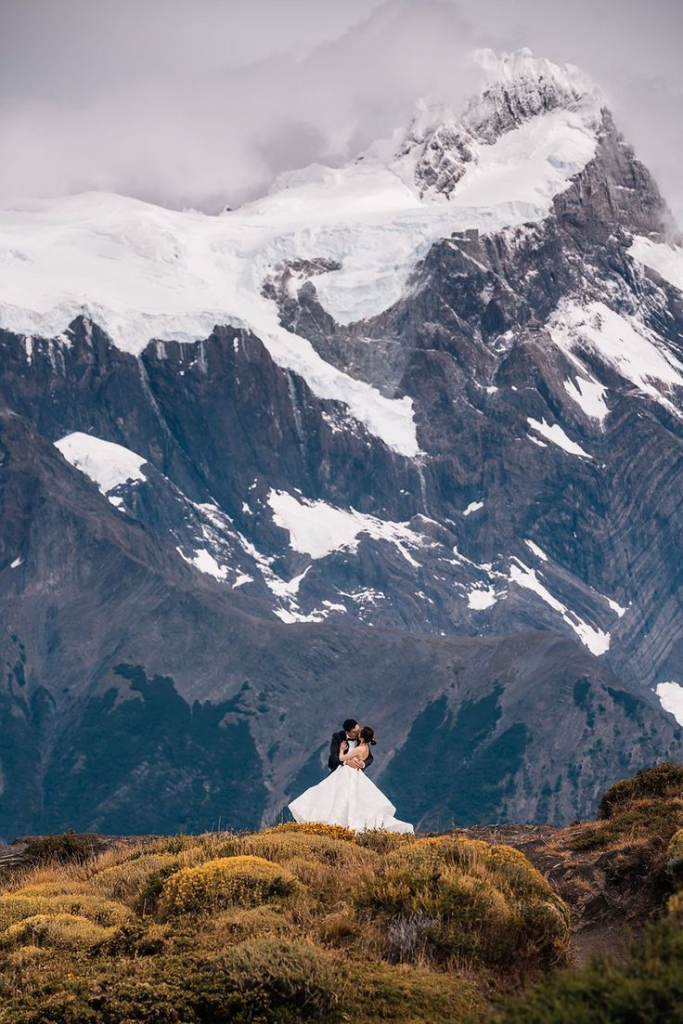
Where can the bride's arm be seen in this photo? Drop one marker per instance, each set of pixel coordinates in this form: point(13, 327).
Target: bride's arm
point(358, 753)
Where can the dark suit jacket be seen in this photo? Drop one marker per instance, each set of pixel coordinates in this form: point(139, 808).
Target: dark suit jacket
point(337, 739)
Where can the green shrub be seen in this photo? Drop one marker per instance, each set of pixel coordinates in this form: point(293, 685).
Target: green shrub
point(26, 956)
point(64, 848)
point(238, 924)
point(661, 782)
point(55, 930)
point(652, 820)
point(56, 887)
point(281, 846)
point(124, 1001)
point(16, 906)
point(384, 992)
point(674, 854)
point(646, 990)
point(283, 980)
point(382, 841)
point(312, 828)
point(339, 930)
point(127, 880)
point(138, 878)
point(455, 900)
point(226, 881)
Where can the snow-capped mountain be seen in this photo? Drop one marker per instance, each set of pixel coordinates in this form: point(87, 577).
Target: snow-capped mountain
point(401, 438)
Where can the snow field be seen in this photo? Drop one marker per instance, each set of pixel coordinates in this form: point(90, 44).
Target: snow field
point(143, 272)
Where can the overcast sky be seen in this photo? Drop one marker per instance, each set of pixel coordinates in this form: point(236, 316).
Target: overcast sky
point(202, 102)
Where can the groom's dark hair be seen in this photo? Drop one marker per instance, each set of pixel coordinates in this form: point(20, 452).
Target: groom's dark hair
point(349, 724)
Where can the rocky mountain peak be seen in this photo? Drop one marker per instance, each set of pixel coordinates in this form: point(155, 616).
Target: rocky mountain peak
point(518, 86)
point(434, 152)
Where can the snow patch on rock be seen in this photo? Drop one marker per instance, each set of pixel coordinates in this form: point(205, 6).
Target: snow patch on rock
point(109, 465)
point(671, 698)
point(554, 433)
point(242, 579)
point(617, 608)
point(480, 598)
point(622, 342)
point(318, 529)
point(666, 260)
point(596, 640)
point(589, 395)
point(206, 563)
point(539, 552)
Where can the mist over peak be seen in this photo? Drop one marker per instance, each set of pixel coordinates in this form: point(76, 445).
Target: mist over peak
point(204, 107)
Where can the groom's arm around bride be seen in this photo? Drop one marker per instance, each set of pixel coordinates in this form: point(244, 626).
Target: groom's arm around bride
point(343, 737)
point(333, 761)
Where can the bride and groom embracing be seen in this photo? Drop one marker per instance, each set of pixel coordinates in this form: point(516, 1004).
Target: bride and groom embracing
point(347, 796)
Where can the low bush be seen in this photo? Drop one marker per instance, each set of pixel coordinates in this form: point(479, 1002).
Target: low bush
point(408, 995)
point(656, 821)
point(55, 930)
point(661, 782)
point(339, 930)
point(56, 887)
point(675, 854)
point(226, 881)
point(26, 956)
point(127, 880)
point(107, 1000)
point(230, 927)
point(67, 847)
point(646, 989)
point(137, 938)
point(383, 842)
point(281, 846)
point(312, 828)
point(283, 980)
point(17, 906)
point(320, 881)
point(452, 900)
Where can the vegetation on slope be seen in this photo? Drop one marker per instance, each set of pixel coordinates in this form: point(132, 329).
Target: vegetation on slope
point(291, 924)
point(314, 923)
point(638, 846)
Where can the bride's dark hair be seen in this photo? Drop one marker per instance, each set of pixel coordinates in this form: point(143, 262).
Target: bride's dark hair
point(368, 735)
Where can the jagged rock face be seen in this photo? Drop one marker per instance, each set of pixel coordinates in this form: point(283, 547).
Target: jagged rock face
point(181, 636)
point(443, 147)
point(478, 332)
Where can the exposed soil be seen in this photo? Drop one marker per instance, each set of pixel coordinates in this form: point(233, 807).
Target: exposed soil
point(610, 897)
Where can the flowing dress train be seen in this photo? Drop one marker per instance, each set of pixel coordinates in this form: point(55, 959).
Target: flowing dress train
point(348, 797)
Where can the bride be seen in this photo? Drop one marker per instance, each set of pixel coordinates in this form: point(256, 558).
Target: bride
point(348, 797)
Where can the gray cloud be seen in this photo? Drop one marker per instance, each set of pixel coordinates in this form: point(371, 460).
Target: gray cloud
point(203, 103)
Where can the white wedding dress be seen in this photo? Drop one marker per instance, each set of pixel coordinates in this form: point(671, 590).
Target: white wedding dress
point(348, 797)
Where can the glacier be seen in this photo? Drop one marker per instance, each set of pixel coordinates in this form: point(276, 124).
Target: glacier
point(143, 272)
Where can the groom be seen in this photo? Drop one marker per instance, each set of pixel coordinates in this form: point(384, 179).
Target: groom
point(350, 733)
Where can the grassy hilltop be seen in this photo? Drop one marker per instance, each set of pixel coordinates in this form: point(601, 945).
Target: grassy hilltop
point(312, 923)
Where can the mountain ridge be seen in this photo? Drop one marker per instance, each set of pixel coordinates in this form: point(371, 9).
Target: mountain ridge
point(482, 473)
